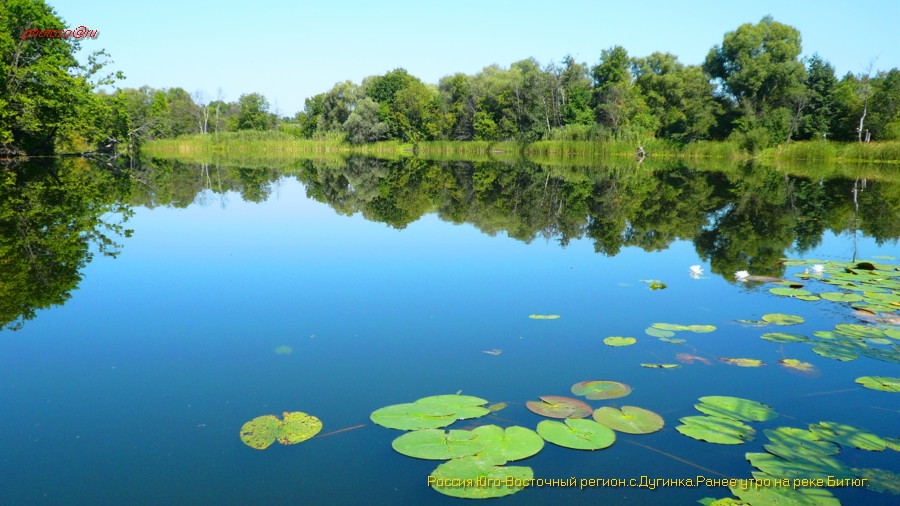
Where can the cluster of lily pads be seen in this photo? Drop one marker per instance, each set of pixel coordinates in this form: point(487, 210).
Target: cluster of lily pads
point(476, 460)
point(792, 453)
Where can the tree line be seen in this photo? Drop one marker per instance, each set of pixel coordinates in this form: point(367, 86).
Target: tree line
point(752, 87)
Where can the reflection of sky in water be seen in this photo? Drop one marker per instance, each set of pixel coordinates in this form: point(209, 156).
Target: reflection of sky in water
point(134, 391)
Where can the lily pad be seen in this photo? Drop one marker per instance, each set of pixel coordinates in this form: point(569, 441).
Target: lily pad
point(650, 331)
point(668, 326)
point(478, 478)
point(798, 365)
point(841, 297)
point(834, 351)
point(789, 292)
point(783, 495)
point(543, 316)
point(598, 390)
point(808, 298)
point(741, 362)
point(264, 430)
point(715, 430)
point(619, 341)
point(512, 443)
point(782, 319)
point(735, 408)
point(657, 286)
point(813, 467)
point(463, 406)
point(882, 354)
point(883, 383)
point(794, 437)
point(434, 444)
point(701, 329)
point(783, 337)
point(660, 366)
point(412, 416)
point(880, 480)
point(847, 435)
point(577, 434)
point(555, 406)
point(854, 330)
point(629, 419)
point(673, 341)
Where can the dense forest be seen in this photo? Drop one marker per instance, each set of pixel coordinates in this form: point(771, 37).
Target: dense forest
point(753, 87)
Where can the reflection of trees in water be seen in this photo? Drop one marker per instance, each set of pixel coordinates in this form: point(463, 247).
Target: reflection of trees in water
point(51, 218)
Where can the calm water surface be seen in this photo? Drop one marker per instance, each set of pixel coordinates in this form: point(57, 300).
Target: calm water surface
point(134, 390)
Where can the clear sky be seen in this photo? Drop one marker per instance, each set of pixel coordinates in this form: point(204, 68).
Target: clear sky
point(291, 50)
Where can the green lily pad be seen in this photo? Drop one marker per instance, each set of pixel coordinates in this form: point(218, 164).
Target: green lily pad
point(512, 443)
point(701, 329)
point(668, 326)
point(629, 419)
point(264, 430)
point(735, 408)
point(435, 444)
point(783, 495)
point(741, 362)
point(782, 319)
point(715, 430)
point(657, 286)
point(577, 434)
point(478, 478)
point(892, 333)
point(789, 292)
point(782, 337)
point(463, 406)
point(883, 383)
point(619, 341)
point(660, 366)
point(882, 354)
point(798, 365)
point(555, 406)
point(836, 352)
point(813, 467)
point(412, 416)
point(808, 298)
point(543, 316)
point(841, 297)
point(855, 330)
point(847, 435)
point(879, 480)
point(598, 390)
point(793, 437)
point(673, 341)
point(650, 331)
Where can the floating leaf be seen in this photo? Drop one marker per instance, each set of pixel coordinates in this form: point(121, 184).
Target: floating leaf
point(577, 434)
point(741, 362)
point(715, 430)
point(846, 435)
point(793, 437)
point(412, 416)
point(512, 443)
point(660, 366)
point(834, 351)
point(650, 331)
point(478, 478)
point(854, 330)
point(619, 341)
point(812, 467)
point(559, 407)
point(883, 383)
point(783, 495)
point(599, 390)
point(808, 298)
point(264, 430)
point(658, 286)
point(629, 419)
point(753, 323)
point(435, 444)
point(497, 406)
point(284, 350)
point(880, 354)
point(789, 292)
point(782, 337)
point(543, 316)
point(668, 326)
point(673, 341)
point(735, 408)
point(701, 329)
point(841, 297)
point(879, 480)
point(463, 406)
point(782, 319)
point(798, 365)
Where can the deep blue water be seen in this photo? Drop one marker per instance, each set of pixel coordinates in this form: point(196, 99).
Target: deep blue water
point(134, 391)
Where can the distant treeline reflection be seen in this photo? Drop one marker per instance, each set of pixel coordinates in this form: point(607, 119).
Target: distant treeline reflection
point(744, 217)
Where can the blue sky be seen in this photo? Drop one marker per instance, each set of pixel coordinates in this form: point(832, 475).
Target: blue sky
point(291, 50)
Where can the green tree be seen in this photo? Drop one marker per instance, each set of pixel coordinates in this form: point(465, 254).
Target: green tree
point(253, 113)
point(363, 124)
point(820, 86)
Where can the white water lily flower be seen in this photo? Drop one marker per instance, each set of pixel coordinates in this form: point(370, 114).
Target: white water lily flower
point(696, 271)
point(818, 269)
point(741, 275)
